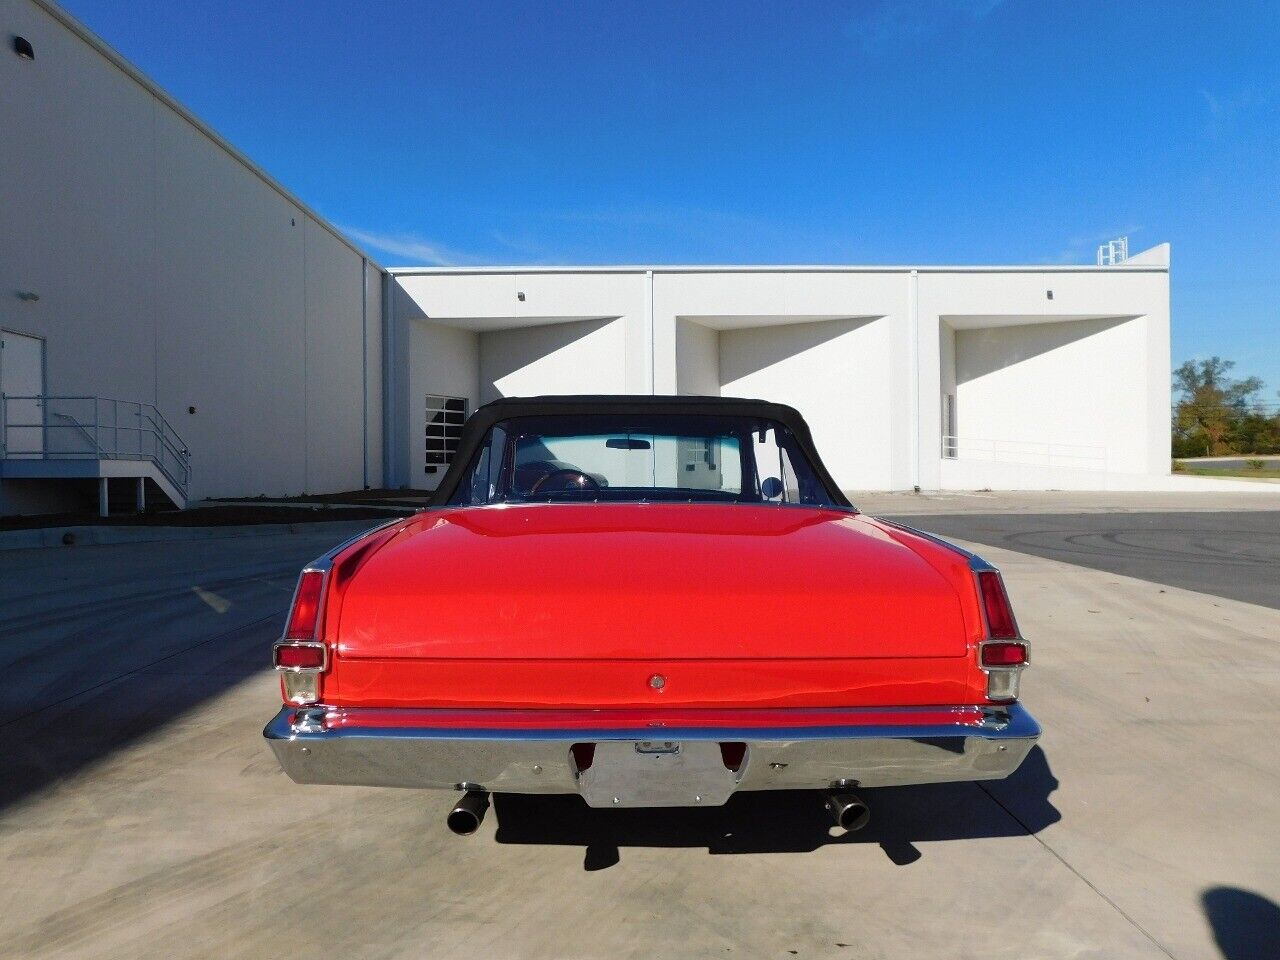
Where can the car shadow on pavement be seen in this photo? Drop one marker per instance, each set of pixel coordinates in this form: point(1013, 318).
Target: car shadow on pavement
point(59, 740)
point(789, 821)
point(106, 648)
point(1246, 925)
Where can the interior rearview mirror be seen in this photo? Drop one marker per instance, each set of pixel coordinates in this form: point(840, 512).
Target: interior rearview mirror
point(627, 443)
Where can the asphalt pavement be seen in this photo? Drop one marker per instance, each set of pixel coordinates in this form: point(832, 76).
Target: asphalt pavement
point(1227, 554)
point(142, 816)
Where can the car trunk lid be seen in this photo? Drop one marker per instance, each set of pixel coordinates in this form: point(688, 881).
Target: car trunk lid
point(649, 582)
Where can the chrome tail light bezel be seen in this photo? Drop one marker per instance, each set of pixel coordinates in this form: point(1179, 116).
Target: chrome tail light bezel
point(305, 644)
point(1003, 682)
point(301, 686)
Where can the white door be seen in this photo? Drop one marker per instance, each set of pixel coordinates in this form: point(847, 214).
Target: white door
point(22, 377)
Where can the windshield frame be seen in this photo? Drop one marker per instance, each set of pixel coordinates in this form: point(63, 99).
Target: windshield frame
point(509, 477)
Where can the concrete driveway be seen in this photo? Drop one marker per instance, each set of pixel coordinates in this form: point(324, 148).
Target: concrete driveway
point(141, 815)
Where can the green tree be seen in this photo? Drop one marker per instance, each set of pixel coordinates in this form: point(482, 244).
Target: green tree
point(1211, 405)
point(1256, 432)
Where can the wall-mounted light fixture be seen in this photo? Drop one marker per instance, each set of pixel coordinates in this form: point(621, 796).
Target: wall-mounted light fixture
point(22, 47)
point(1049, 294)
point(520, 296)
point(28, 296)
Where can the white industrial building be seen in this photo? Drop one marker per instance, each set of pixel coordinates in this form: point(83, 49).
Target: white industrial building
point(171, 313)
point(930, 377)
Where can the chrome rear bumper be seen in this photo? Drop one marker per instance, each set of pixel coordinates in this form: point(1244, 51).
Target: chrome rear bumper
point(529, 751)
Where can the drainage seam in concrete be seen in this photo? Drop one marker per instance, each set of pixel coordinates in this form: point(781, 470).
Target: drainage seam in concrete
point(1087, 882)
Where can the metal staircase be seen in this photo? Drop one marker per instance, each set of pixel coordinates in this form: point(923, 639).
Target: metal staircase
point(62, 437)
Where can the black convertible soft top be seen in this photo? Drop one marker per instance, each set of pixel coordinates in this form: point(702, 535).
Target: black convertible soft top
point(477, 427)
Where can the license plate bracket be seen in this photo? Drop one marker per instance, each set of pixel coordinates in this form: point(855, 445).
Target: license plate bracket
point(658, 773)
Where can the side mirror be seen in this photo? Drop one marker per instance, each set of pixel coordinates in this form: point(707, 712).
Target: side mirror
point(771, 488)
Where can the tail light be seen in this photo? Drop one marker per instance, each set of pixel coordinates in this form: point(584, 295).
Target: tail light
point(997, 654)
point(300, 656)
point(995, 604)
point(304, 616)
point(1003, 654)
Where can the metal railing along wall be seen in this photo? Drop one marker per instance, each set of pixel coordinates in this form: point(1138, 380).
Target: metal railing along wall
point(1030, 452)
point(92, 428)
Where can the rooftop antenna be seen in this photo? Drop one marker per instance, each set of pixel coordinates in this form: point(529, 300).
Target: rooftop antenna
point(1113, 252)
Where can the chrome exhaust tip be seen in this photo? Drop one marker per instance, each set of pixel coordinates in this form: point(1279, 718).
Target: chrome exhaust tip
point(468, 813)
point(848, 810)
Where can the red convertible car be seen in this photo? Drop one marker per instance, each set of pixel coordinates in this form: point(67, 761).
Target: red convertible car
point(647, 601)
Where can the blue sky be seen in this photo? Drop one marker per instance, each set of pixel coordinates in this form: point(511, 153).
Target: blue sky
point(935, 131)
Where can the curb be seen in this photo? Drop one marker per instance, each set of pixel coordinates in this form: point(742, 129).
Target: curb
point(107, 535)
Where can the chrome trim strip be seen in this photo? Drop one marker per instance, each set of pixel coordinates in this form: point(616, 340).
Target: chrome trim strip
point(324, 562)
point(999, 721)
point(540, 761)
point(976, 563)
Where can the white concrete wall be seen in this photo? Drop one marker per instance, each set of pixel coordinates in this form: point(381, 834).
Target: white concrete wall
point(838, 374)
point(1077, 375)
point(580, 356)
point(697, 360)
point(1023, 385)
point(170, 271)
point(580, 337)
point(490, 301)
point(947, 364)
point(442, 360)
point(805, 338)
point(373, 394)
point(865, 354)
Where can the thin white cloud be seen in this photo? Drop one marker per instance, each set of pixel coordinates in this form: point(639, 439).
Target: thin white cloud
point(724, 235)
point(889, 23)
point(655, 215)
point(530, 250)
point(419, 251)
point(1226, 110)
point(977, 9)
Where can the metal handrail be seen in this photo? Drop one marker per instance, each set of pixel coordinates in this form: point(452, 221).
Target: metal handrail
point(1035, 452)
point(144, 433)
point(79, 427)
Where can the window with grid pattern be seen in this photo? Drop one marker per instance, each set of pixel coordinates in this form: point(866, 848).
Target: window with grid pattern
point(445, 416)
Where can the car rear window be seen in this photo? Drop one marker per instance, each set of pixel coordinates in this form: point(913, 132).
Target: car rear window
point(640, 457)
